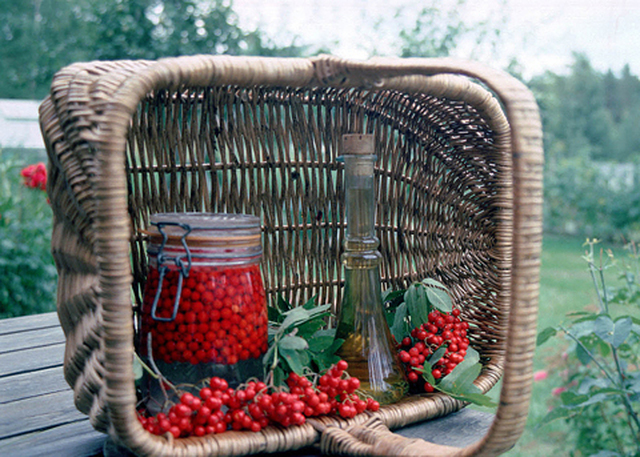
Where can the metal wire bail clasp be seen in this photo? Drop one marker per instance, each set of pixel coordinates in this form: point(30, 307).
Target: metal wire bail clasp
point(163, 260)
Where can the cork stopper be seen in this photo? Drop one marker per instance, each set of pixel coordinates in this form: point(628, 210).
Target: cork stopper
point(358, 143)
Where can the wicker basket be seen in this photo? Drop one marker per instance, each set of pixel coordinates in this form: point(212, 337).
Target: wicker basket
point(459, 199)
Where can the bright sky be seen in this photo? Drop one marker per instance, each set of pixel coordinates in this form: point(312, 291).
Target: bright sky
point(541, 33)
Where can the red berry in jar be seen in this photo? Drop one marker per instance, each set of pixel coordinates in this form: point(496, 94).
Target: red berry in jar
point(204, 309)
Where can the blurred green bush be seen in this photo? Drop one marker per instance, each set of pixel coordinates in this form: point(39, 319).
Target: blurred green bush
point(27, 271)
point(583, 198)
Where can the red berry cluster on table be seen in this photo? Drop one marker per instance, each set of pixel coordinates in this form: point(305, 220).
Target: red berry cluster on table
point(219, 408)
point(221, 317)
point(442, 330)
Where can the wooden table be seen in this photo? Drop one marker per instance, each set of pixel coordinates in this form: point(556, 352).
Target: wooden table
point(38, 417)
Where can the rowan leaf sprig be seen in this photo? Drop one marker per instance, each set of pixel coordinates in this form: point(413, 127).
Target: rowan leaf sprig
point(299, 341)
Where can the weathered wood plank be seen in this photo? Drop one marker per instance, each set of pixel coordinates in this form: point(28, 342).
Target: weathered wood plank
point(459, 429)
point(37, 413)
point(35, 321)
point(77, 439)
point(31, 339)
point(26, 360)
point(32, 384)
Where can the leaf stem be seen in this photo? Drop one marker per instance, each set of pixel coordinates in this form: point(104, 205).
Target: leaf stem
point(631, 414)
point(589, 353)
point(161, 378)
point(592, 268)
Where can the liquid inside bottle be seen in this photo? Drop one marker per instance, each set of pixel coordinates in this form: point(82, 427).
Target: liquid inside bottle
point(368, 345)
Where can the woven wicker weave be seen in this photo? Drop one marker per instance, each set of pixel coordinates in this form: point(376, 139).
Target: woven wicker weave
point(459, 199)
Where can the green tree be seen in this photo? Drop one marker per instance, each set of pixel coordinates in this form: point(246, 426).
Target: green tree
point(575, 117)
point(41, 36)
point(37, 37)
point(438, 31)
point(588, 118)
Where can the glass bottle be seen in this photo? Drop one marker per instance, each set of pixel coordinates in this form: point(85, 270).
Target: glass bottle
point(204, 310)
point(368, 345)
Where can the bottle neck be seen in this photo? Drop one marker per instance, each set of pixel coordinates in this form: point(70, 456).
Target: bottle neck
point(360, 203)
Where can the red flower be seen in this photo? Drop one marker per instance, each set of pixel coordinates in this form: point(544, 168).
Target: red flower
point(35, 176)
point(540, 375)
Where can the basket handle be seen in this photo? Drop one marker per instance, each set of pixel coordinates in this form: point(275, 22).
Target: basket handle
point(373, 438)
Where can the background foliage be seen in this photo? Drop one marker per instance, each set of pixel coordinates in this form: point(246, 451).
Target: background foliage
point(27, 273)
point(39, 37)
point(590, 124)
point(599, 395)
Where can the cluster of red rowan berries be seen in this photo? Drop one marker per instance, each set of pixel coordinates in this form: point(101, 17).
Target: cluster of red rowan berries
point(222, 317)
point(219, 408)
point(442, 329)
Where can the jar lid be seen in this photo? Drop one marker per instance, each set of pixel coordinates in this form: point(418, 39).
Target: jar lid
point(205, 228)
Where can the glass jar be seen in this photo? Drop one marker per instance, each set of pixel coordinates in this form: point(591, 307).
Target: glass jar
point(204, 310)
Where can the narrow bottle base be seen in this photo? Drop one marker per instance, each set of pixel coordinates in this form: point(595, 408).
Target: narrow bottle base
point(384, 389)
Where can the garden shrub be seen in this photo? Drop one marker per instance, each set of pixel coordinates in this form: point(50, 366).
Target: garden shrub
point(27, 271)
point(580, 200)
point(600, 393)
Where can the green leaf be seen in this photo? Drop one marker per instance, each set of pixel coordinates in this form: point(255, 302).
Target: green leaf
point(582, 328)
point(603, 327)
point(400, 327)
point(293, 343)
point(273, 314)
point(426, 375)
point(586, 317)
point(325, 332)
point(604, 348)
point(461, 378)
point(308, 329)
point(621, 331)
point(439, 299)
point(578, 314)
point(320, 343)
point(633, 384)
point(582, 355)
point(137, 368)
point(328, 357)
point(433, 283)
point(392, 296)
point(392, 299)
point(544, 335)
point(311, 303)
point(427, 367)
point(605, 453)
point(472, 356)
point(559, 412)
point(296, 359)
point(300, 315)
point(571, 399)
point(283, 305)
point(417, 304)
point(474, 397)
point(435, 358)
point(320, 311)
point(279, 376)
point(293, 317)
point(267, 359)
